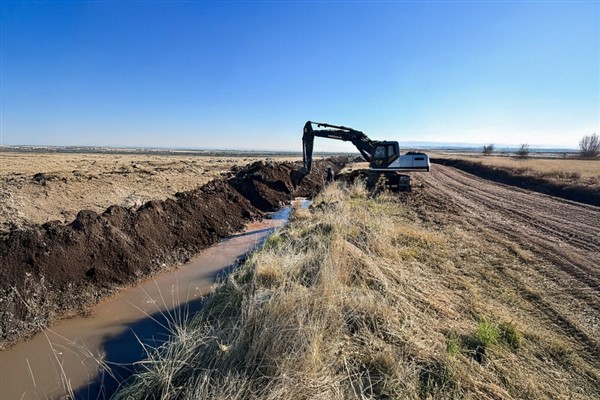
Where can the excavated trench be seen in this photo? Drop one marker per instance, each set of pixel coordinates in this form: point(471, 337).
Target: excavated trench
point(55, 270)
point(87, 357)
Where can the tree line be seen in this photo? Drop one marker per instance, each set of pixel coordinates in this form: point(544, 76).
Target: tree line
point(589, 147)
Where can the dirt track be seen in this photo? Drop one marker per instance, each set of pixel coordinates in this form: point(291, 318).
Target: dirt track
point(563, 283)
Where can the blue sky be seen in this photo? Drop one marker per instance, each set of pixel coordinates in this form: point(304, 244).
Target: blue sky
point(248, 75)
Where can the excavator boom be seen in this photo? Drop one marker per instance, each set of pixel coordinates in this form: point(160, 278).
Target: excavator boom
point(359, 139)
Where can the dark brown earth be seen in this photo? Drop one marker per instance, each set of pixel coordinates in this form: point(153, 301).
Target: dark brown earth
point(52, 270)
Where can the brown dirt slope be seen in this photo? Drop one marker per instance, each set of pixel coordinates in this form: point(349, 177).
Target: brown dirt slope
point(52, 269)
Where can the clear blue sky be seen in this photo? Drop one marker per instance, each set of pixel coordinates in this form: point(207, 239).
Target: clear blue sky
point(249, 74)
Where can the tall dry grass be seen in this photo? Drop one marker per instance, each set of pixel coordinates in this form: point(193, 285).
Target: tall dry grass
point(357, 298)
point(564, 170)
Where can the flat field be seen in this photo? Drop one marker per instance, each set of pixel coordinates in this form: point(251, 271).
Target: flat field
point(39, 187)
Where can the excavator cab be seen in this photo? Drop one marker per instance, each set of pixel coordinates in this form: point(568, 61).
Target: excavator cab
point(384, 154)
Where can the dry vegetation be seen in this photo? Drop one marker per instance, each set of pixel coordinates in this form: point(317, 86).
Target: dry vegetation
point(360, 297)
point(41, 187)
point(560, 170)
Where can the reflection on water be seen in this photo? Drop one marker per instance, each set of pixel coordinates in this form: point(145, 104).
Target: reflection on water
point(285, 212)
point(91, 354)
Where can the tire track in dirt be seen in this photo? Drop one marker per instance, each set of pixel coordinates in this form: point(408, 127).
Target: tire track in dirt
point(532, 206)
point(555, 317)
point(565, 234)
point(574, 238)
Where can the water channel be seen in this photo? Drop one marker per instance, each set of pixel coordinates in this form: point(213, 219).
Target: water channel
point(73, 355)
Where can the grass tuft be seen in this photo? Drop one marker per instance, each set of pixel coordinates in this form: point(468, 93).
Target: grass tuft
point(487, 333)
point(453, 344)
point(510, 334)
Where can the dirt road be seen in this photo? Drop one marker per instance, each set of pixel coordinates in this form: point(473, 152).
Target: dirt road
point(561, 240)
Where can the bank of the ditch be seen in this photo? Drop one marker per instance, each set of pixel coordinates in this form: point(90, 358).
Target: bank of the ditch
point(365, 297)
point(51, 270)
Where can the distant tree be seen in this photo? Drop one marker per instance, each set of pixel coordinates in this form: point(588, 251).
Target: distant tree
point(589, 146)
point(487, 150)
point(524, 151)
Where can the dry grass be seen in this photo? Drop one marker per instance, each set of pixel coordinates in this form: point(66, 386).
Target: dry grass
point(558, 168)
point(358, 298)
point(564, 170)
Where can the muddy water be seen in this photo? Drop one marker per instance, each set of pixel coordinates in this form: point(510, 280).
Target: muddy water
point(87, 356)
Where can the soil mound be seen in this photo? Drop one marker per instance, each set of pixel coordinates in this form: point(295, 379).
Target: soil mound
point(50, 270)
point(268, 185)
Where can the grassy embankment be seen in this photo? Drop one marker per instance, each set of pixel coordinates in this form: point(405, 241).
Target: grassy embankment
point(360, 298)
point(567, 171)
point(586, 171)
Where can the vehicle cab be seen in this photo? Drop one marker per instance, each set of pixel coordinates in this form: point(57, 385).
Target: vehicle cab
point(386, 156)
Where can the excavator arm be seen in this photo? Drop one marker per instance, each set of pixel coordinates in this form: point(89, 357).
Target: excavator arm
point(358, 139)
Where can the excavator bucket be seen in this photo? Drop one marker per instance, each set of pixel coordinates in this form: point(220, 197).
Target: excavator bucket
point(297, 176)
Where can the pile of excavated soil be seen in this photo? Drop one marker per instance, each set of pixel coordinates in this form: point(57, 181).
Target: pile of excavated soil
point(48, 271)
point(37, 188)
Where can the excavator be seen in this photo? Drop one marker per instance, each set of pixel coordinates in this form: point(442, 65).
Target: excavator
point(384, 157)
